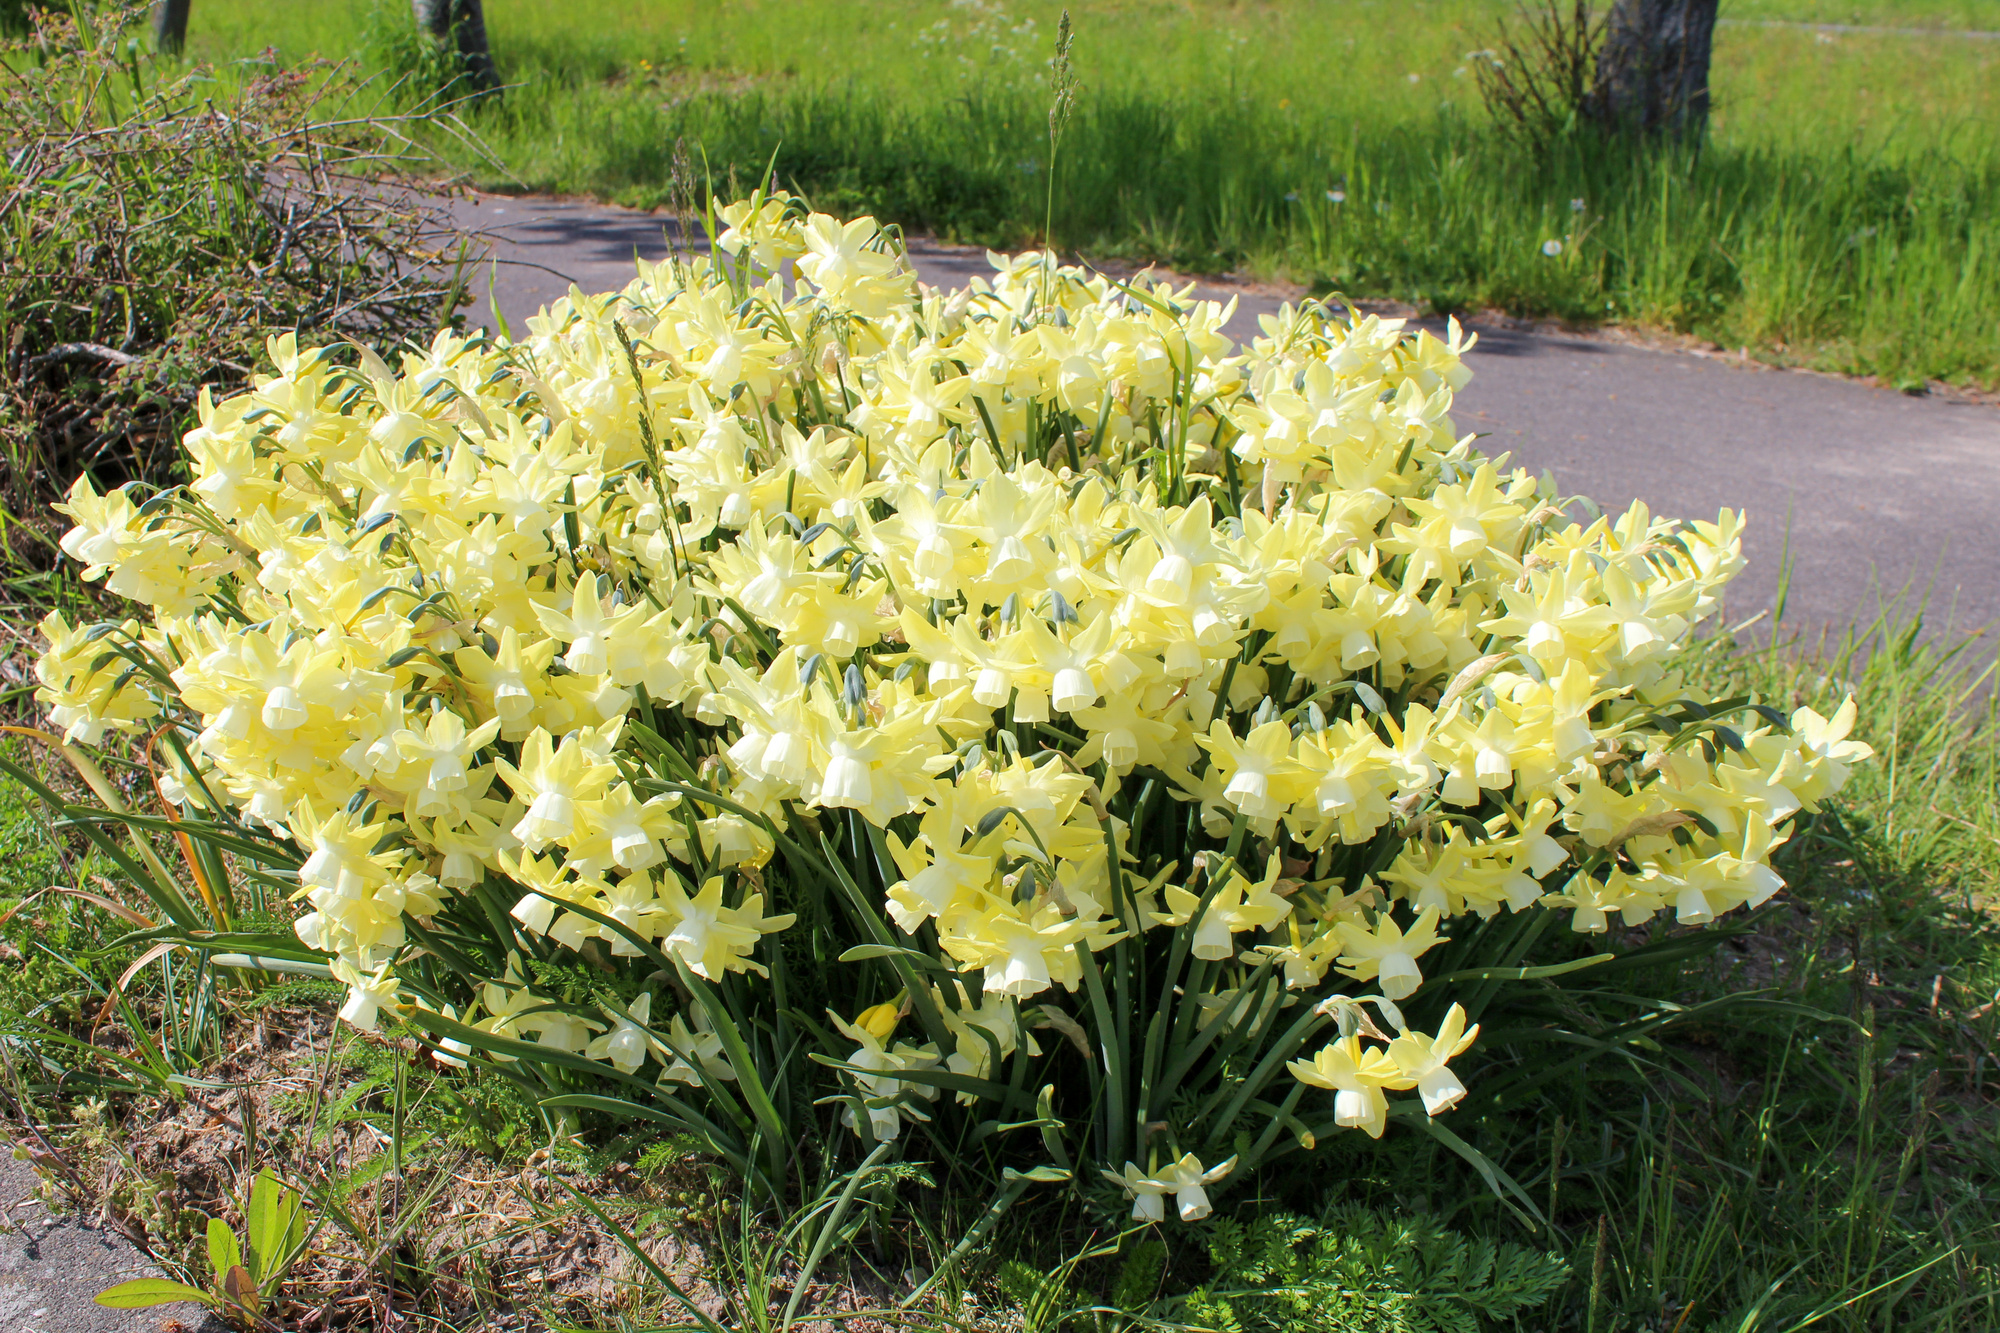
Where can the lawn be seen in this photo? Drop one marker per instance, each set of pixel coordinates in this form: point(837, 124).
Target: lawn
point(1843, 213)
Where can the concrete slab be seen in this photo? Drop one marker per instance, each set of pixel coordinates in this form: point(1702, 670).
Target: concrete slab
point(52, 1265)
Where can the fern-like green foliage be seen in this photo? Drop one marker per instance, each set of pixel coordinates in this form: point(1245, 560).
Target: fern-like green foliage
point(1356, 1270)
point(1038, 1296)
point(1043, 1300)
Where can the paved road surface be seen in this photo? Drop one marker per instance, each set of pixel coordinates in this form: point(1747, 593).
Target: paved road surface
point(52, 1265)
point(1878, 491)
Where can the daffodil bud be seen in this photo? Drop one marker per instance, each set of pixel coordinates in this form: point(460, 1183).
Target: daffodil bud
point(879, 1021)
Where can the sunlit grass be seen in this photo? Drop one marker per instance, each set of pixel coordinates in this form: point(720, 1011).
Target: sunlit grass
point(1845, 212)
point(1948, 15)
point(1345, 60)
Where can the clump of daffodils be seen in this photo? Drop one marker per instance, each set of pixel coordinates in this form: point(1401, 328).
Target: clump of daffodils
point(781, 605)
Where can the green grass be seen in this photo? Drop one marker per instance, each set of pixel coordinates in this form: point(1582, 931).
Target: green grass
point(1845, 214)
point(1944, 15)
point(42, 933)
point(1848, 1146)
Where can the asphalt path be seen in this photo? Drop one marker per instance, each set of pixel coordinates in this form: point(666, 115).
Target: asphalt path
point(53, 1262)
point(1873, 499)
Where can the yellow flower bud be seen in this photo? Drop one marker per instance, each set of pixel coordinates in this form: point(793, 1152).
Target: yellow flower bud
point(879, 1021)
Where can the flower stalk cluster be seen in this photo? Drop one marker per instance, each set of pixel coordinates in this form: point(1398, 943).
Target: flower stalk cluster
point(980, 664)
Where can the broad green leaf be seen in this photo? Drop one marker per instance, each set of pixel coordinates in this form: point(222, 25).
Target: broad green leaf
point(1524, 973)
point(1496, 1179)
point(617, 1106)
point(140, 1293)
point(861, 953)
point(829, 1228)
point(274, 1222)
point(223, 1251)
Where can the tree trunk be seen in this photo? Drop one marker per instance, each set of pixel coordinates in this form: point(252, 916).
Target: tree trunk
point(463, 23)
point(1652, 72)
point(170, 25)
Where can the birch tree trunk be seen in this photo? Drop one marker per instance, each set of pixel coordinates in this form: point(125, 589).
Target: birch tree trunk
point(1652, 72)
point(462, 23)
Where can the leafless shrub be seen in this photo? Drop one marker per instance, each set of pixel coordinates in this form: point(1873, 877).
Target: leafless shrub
point(1539, 79)
point(160, 225)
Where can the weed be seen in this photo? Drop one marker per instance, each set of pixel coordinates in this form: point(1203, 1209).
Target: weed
point(1539, 80)
point(1354, 1269)
point(242, 1287)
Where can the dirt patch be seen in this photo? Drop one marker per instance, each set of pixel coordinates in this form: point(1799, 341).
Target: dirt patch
point(444, 1236)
